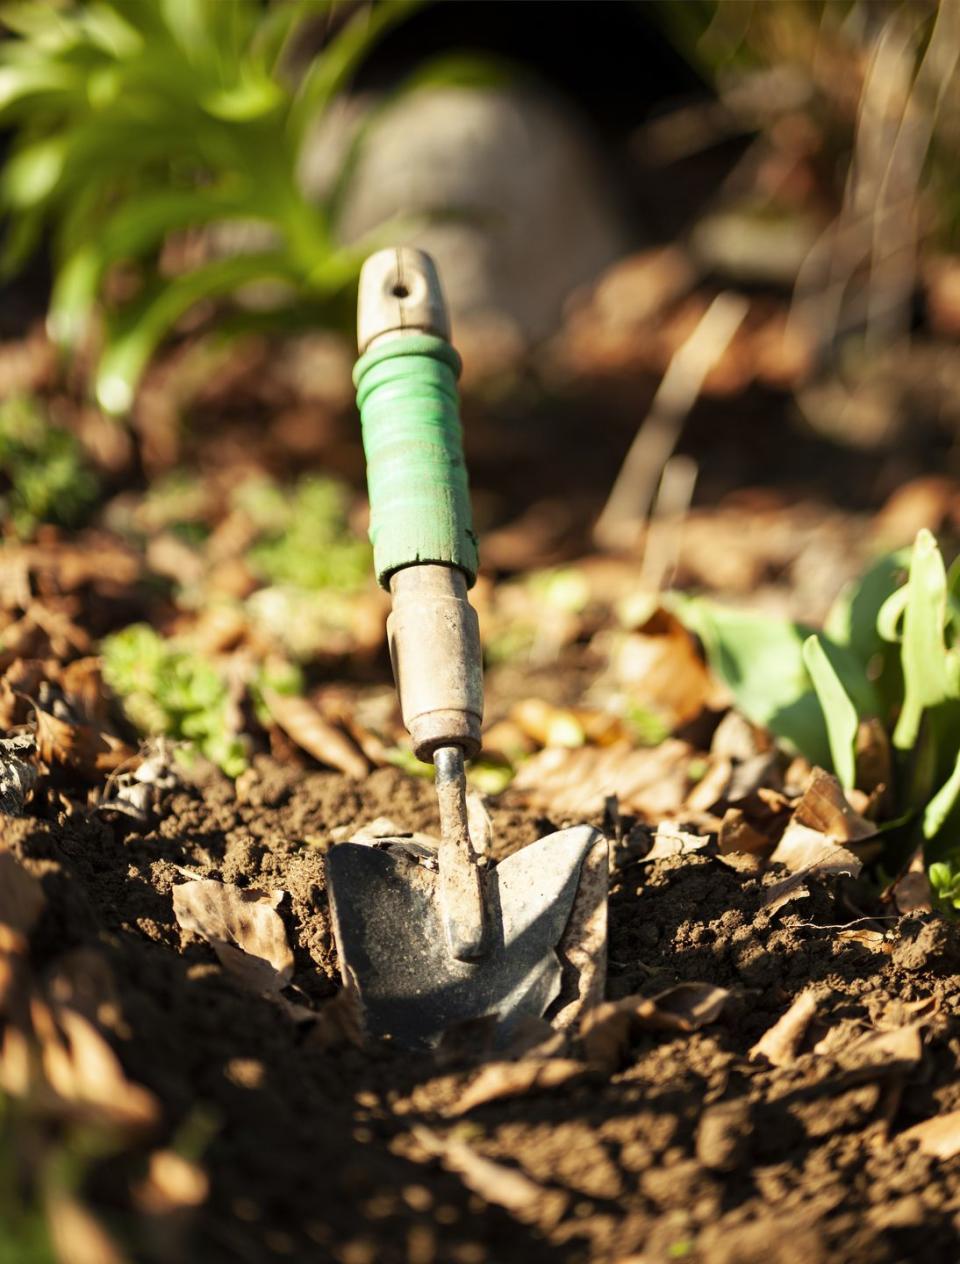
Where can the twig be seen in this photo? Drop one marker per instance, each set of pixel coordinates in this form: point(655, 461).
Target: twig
point(628, 506)
point(661, 547)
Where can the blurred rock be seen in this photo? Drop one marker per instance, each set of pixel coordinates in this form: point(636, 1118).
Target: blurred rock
point(522, 212)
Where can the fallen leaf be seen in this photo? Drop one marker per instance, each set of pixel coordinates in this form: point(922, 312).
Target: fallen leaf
point(82, 1069)
point(242, 927)
point(711, 788)
point(876, 940)
point(495, 1182)
point(885, 1050)
point(607, 1028)
point(303, 723)
point(668, 841)
point(83, 749)
point(779, 1043)
point(912, 892)
point(824, 808)
point(939, 1136)
point(659, 666)
point(781, 893)
point(574, 783)
point(499, 1080)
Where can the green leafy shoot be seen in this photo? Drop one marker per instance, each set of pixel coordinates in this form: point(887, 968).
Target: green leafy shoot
point(838, 711)
point(135, 122)
point(888, 651)
point(306, 540)
point(945, 881)
point(169, 690)
point(46, 477)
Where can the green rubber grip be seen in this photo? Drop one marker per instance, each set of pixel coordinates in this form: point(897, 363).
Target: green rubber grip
point(412, 439)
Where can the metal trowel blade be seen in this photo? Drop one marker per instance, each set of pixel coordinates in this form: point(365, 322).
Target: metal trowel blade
point(393, 953)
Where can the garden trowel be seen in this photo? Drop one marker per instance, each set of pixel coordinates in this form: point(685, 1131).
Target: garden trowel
point(429, 941)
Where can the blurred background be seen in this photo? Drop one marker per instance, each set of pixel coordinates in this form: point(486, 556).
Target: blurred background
point(701, 258)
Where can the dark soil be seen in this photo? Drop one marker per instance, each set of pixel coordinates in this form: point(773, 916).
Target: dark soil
point(691, 1151)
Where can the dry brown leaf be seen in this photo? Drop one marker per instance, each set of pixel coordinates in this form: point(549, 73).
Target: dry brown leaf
point(21, 903)
point(573, 783)
point(712, 786)
point(802, 850)
point(303, 723)
point(669, 841)
point(885, 1050)
point(495, 1182)
point(781, 893)
point(82, 1069)
point(242, 927)
point(660, 667)
point(912, 892)
point(499, 1080)
point(939, 1136)
point(824, 808)
point(779, 1043)
point(825, 831)
point(607, 1028)
point(876, 940)
point(83, 749)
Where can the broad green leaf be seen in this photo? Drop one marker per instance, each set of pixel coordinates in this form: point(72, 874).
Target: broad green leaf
point(923, 652)
point(760, 659)
point(838, 711)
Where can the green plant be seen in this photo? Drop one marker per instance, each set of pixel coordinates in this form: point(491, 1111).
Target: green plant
point(48, 478)
point(305, 538)
point(169, 690)
point(889, 651)
point(136, 119)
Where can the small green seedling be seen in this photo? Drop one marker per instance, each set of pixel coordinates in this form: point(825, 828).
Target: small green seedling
point(46, 475)
point(889, 651)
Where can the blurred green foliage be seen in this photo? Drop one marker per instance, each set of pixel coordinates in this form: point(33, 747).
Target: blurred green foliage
point(135, 119)
point(889, 651)
point(305, 538)
point(47, 476)
point(170, 690)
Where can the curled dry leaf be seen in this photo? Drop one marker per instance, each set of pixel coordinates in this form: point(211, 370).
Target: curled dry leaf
point(572, 783)
point(607, 1028)
point(499, 1080)
point(303, 724)
point(83, 749)
point(669, 841)
point(82, 1069)
point(737, 834)
point(825, 830)
point(939, 1136)
point(779, 1043)
point(242, 927)
point(495, 1182)
point(660, 667)
point(884, 1051)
